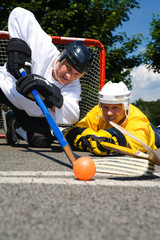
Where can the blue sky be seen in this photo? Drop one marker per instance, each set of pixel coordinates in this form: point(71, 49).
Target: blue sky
point(140, 18)
point(146, 83)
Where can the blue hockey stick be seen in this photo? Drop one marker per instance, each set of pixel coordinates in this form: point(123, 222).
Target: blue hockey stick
point(63, 142)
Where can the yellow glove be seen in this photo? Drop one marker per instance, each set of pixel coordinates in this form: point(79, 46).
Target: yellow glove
point(81, 142)
point(109, 135)
point(76, 137)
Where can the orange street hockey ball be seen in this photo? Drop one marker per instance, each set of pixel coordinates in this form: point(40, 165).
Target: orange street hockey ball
point(84, 168)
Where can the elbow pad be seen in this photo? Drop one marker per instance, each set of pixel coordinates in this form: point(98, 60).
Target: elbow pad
point(19, 56)
point(113, 135)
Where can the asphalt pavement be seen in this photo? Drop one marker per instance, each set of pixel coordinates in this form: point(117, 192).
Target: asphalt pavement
point(40, 199)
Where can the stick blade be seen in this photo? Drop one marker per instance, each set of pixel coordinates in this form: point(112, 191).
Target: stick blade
point(154, 158)
point(124, 165)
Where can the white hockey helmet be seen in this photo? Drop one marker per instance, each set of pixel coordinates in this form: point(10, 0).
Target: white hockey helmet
point(115, 93)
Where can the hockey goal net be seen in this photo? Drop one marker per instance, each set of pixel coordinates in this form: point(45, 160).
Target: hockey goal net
point(91, 82)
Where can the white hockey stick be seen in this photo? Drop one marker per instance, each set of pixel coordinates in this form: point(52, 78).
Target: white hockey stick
point(137, 164)
point(124, 165)
point(153, 157)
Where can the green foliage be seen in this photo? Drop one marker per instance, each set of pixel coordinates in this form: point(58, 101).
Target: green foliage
point(150, 109)
point(97, 19)
point(152, 53)
point(118, 64)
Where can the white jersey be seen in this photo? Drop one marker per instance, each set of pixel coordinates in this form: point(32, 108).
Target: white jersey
point(22, 24)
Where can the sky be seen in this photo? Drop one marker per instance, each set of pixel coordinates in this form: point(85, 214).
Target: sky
point(146, 84)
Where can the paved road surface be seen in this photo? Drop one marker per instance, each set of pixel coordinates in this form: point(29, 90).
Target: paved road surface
point(40, 199)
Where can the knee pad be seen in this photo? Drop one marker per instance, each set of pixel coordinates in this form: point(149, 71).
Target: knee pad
point(40, 140)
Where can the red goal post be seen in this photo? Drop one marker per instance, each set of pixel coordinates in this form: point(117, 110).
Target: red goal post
point(91, 82)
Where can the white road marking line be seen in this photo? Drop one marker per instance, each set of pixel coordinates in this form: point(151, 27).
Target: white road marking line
point(68, 178)
point(36, 173)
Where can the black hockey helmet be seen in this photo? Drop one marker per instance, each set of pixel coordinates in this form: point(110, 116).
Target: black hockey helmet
point(78, 55)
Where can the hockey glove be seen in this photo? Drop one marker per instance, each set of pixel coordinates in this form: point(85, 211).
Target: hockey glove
point(111, 135)
point(19, 56)
point(76, 137)
point(50, 93)
point(81, 141)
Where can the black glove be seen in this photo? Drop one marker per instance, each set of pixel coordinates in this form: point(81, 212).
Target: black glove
point(19, 56)
point(52, 94)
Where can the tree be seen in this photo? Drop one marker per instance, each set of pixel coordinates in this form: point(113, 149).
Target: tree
point(152, 53)
point(96, 19)
point(150, 109)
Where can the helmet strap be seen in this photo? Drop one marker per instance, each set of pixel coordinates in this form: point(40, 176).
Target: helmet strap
point(56, 63)
point(82, 74)
point(99, 105)
point(126, 109)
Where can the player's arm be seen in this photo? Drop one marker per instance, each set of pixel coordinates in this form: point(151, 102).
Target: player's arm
point(19, 56)
point(23, 24)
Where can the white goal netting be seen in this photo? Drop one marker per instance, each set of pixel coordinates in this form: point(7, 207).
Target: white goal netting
point(91, 82)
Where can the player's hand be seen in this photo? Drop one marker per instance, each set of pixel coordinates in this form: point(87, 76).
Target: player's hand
point(111, 135)
point(50, 92)
point(81, 141)
point(95, 146)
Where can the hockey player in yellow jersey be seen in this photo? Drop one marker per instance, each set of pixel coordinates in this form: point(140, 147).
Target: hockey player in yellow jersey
point(113, 106)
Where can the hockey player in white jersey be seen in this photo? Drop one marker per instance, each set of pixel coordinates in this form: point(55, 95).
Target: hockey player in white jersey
point(53, 74)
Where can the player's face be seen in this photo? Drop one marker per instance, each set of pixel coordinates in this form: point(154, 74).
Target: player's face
point(66, 73)
point(113, 112)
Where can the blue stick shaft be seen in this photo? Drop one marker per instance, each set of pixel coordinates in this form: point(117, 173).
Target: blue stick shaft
point(50, 120)
point(63, 142)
